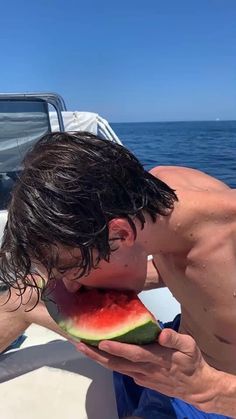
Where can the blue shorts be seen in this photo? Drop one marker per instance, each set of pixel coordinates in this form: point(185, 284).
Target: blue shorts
point(134, 400)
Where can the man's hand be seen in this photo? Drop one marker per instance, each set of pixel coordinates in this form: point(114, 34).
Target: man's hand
point(173, 366)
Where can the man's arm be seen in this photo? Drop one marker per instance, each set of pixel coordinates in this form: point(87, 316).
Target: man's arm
point(153, 279)
point(12, 321)
point(17, 315)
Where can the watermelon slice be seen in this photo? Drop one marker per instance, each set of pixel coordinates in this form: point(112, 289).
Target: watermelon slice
point(93, 315)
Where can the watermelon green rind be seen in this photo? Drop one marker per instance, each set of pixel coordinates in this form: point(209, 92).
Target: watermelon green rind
point(141, 334)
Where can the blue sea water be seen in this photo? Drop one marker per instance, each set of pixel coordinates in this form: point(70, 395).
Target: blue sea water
point(207, 146)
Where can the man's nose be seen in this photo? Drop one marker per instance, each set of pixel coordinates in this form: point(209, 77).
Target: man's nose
point(71, 285)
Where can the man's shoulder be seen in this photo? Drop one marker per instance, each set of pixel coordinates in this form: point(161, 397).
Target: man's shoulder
point(180, 177)
point(181, 172)
point(173, 171)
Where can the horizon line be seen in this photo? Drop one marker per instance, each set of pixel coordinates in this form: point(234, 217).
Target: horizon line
point(173, 121)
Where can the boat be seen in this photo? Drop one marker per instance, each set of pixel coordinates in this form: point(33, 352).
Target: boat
point(46, 376)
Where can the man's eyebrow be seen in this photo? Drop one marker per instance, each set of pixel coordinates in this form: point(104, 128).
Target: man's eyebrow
point(65, 261)
point(63, 265)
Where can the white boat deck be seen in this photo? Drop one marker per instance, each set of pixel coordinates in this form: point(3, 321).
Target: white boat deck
point(47, 378)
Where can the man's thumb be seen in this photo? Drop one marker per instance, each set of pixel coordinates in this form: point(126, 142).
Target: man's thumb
point(173, 340)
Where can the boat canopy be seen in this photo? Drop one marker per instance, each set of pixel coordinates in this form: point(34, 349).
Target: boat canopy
point(25, 118)
point(20, 130)
point(84, 121)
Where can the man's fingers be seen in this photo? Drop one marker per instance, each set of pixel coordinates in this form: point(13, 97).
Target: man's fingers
point(134, 353)
point(111, 352)
point(112, 362)
point(93, 353)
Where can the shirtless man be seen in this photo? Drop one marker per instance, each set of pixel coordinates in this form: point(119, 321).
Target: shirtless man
point(105, 215)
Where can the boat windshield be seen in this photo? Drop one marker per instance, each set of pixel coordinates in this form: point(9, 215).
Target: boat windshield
point(22, 123)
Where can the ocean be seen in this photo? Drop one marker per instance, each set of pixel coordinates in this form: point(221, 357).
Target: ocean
point(207, 146)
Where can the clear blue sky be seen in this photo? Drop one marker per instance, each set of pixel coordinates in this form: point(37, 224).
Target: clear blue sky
point(129, 60)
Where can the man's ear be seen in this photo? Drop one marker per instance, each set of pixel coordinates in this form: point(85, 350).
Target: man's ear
point(120, 231)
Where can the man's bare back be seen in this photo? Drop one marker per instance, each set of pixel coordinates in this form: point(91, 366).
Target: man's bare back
point(202, 277)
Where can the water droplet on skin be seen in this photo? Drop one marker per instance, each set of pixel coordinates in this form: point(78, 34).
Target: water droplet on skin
point(234, 294)
point(177, 226)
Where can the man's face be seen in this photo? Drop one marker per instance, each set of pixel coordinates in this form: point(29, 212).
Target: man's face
point(126, 269)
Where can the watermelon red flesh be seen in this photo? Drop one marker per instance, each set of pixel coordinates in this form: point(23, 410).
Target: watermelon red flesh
point(92, 315)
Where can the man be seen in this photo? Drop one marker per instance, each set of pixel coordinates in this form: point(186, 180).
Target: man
point(85, 212)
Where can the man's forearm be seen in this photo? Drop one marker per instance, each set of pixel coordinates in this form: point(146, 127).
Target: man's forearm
point(17, 314)
point(12, 323)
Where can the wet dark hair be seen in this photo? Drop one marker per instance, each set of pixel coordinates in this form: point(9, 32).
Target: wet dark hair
point(71, 186)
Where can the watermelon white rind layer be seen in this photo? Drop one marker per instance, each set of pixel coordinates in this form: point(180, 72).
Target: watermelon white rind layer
point(140, 334)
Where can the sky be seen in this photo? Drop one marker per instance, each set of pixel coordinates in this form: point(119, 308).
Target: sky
point(128, 60)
